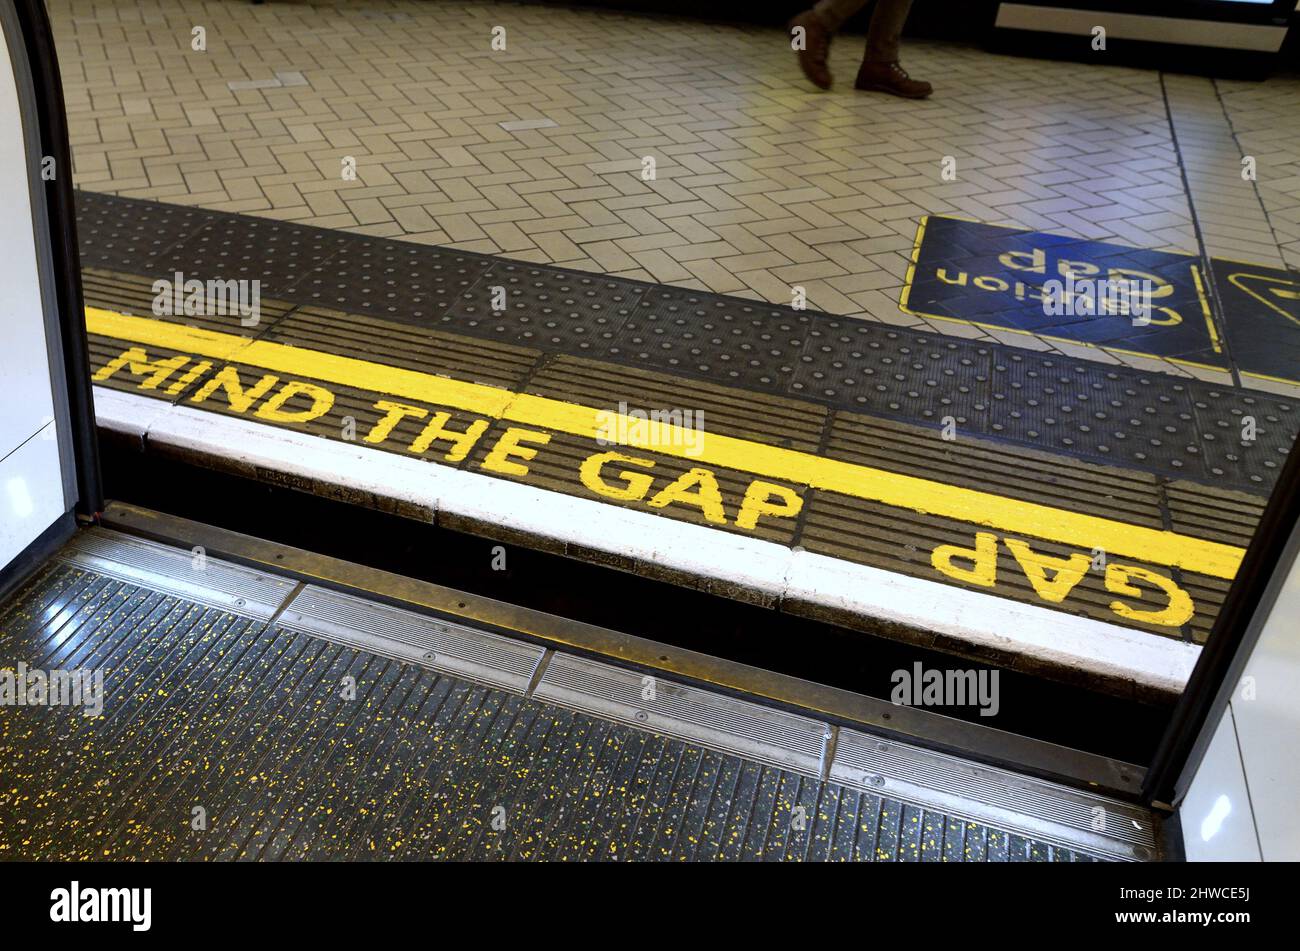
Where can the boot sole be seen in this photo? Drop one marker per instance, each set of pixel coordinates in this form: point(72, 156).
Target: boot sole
point(871, 87)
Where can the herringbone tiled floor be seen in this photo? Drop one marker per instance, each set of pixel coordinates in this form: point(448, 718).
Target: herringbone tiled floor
point(536, 151)
point(1265, 119)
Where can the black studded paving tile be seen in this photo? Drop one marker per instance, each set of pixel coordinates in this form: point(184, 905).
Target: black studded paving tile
point(133, 236)
point(1095, 412)
point(396, 280)
point(726, 340)
point(543, 307)
point(241, 247)
point(1246, 434)
point(896, 373)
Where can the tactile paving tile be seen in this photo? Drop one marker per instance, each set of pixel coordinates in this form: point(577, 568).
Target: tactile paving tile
point(902, 542)
point(1226, 516)
point(396, 280)
point(127, 234)
point(896, 373)
point(240, 247)
point(1095, 411)
point(726, 340)
point(1221, 417)
point(1049, 479)
point(544, 307)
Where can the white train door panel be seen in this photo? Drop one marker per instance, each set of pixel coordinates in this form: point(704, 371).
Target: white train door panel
point(32, 494)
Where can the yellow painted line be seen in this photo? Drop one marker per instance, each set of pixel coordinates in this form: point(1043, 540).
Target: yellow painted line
point(1291, 385)
point(864, 482)
point(1205, 309)
point(911, 264)
point(1234, 280)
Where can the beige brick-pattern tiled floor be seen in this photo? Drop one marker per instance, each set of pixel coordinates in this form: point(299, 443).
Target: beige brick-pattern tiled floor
point(536, 151)
point(1265, 121)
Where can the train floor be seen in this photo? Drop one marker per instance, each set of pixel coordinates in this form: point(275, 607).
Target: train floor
point(234, 712)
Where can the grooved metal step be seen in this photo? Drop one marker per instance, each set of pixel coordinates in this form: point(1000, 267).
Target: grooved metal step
point(404, 635)
point(1041, 810)
point(1046, 811)
point(191, 575)
point(689, 713)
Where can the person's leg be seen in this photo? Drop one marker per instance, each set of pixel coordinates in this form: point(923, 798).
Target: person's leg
point(880, 69)
point(819, 25)
point(834, 13)
point(886, 30)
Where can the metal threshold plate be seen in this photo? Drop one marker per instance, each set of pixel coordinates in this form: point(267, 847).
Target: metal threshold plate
point(689, 713)
point(415, 638)
point(191, 575)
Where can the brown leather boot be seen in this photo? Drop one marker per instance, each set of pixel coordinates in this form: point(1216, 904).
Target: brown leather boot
point(817, 46)
point(891, 78)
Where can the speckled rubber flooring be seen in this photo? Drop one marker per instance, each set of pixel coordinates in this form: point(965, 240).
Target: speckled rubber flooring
point(223, 737)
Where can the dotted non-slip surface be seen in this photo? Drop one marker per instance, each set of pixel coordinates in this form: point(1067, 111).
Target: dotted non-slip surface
point(225, 738)
point(1166, 425)
point(543, 308)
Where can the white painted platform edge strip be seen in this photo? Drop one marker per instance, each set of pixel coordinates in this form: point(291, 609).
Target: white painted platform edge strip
point(1220, 34)
point(979, 619)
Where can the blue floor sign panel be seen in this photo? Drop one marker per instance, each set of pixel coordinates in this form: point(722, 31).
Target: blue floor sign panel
point(1153, 303)
point(1263, 318)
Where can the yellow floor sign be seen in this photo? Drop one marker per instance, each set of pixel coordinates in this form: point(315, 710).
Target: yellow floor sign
point(621, 474)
